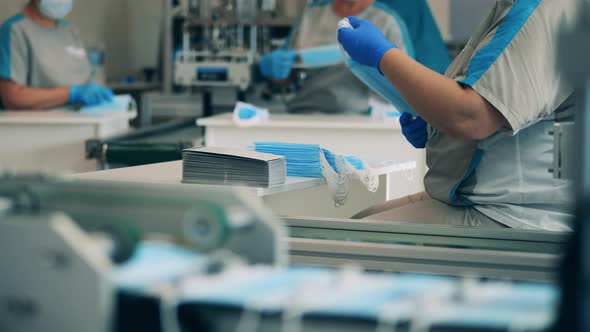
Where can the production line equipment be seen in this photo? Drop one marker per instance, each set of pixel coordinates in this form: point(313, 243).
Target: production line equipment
point(61, 239)
point(211, 47)
point(100, 257)
point(220, 42)
point(432, 249)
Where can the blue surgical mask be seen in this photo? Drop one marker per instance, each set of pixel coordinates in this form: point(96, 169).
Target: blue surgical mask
point(56, 9)
point(378, 83)
point(247, 114)
point(303, 160)
point(375, 80)
point(318, 57)
point(313, 161)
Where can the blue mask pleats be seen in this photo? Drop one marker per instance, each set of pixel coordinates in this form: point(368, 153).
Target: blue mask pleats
point(303, 160)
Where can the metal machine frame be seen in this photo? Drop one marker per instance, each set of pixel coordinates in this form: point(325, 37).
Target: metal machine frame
point(60, 234)
point(399, 247)
point(222, 69)
point(204, 220)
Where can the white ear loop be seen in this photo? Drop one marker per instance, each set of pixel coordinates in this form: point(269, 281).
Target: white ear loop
point(344, 23)
point(370, 181)
point(338, 182)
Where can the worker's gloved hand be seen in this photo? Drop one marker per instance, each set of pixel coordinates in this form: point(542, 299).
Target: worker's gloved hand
point(415, 130)
point(277, 65)
point(365, 43)
point(90, 94)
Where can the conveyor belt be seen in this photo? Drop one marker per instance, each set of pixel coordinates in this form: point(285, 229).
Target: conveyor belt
point(152, 145)
point(398, 247)
point(432, 260)
point(426, 235)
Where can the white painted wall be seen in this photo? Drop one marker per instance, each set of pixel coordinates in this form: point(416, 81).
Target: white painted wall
point(465, 16)
point(9, 7)
point(129, 30)
point(144, 24)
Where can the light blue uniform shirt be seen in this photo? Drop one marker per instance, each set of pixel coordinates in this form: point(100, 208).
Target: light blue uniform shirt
point(511, 61)
point(35, 56)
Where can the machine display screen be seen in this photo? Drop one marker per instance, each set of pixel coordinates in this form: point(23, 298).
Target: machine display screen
point(217, 74)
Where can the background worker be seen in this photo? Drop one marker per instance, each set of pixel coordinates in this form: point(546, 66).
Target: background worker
point(43, 63)
point(331, 89)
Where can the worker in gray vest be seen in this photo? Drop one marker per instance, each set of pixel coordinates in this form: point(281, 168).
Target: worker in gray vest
point(330, 89)
point(485, 123)
point(43, 63)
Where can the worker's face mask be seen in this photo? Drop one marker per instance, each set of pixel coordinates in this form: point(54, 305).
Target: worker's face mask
point(56, 9)
point(374, 79)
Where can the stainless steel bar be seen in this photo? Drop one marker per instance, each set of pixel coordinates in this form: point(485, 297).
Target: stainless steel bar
point(403, 258)
point(427, 235)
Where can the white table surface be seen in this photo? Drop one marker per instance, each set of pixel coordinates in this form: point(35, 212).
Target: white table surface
point(171, 173)
point(55, 141)
point(62, 117)
point(355, 135)
point(339, 121)
point(296, 197)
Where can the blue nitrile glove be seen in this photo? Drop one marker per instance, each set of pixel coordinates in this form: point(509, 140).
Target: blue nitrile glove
point(365, 43)
point(90, 94)
point(415, 130)
point(277, 64)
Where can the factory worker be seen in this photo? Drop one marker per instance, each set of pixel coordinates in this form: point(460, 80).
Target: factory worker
point(426, 37)
point(485, 123)
point(43, 63)
point(331, 89)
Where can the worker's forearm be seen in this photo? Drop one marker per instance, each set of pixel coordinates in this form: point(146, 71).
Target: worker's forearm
point(441, 101)
point(24, 98)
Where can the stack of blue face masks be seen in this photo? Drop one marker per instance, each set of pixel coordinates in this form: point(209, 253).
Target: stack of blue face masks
point(303, 160)
point(311, 160)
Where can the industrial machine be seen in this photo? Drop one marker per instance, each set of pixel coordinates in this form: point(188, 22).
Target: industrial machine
point(223, 268)
point(221, 40)
point(98, 250)
point(213, 45)
point(219, 44)
point(58, 236)
point(444, 250)
point(159, 143)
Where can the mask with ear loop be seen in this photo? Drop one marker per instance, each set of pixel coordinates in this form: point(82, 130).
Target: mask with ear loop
point(373, 78)
point(56, 9)
point(314, 161)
